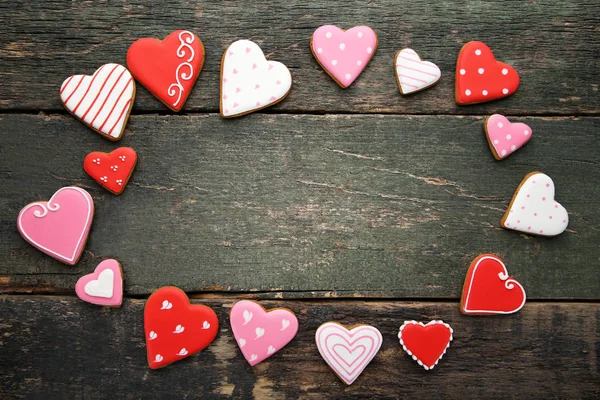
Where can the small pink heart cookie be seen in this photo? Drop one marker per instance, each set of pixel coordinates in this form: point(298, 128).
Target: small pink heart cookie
point(505, 137)
point(343, 54)
point(104, 286)
point(60, 226)
point(260, 333)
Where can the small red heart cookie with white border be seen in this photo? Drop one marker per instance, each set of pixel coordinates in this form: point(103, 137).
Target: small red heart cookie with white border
point(104, 286)
point(426, 344)
point(533, 209)
point(111, 170)
point(176, 329)
point(414, 74)
point(102, 101)
point(480, 78)
point(489, 290)
point(167, 68)
point(505, 137)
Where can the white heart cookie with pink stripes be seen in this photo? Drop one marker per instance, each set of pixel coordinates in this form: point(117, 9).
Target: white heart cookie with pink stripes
point(414, 74)
point(102, 101)
point(250, 82)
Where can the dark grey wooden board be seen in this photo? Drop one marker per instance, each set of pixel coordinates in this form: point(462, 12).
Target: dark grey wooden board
point(60, 347)
point(334, 205)
point(553, 44)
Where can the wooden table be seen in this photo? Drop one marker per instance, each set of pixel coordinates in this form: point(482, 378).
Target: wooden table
point(356, 205)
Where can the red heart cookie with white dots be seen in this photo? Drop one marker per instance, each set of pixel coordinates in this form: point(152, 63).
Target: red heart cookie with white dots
point(480, 78)
point(111, 170)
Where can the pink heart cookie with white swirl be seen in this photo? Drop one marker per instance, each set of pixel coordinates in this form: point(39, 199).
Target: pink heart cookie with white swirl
point(343, 54)
point(505, 137)
point(250, 82)
point(104, 286)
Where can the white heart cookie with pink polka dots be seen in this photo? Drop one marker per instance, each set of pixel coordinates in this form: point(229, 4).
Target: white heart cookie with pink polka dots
point(250, 82)
point(533, 208)
point(505, 137)
point(343, 54)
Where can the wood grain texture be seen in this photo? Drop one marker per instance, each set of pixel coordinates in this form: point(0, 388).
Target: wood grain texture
point(60, 347)
point(553, 44)
point(334, 205)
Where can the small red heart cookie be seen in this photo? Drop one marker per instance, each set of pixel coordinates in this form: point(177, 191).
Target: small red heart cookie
point(167, 68)
point(489, 290)
point(176, 329)
point(425, 343)
point(111, 170)
point(480, 78)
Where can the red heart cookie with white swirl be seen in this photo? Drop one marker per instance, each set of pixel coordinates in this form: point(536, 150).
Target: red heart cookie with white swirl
point(489, 290)
point(480, 78)
point(167, 68)
point(111, 170)
point(425, 343)
point(176, 329)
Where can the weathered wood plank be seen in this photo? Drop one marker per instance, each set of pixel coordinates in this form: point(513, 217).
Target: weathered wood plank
point(368, 205)
point(552, 43)
point(60, 347)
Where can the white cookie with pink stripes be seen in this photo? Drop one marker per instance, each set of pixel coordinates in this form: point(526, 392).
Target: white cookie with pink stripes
point(102, 101)
point(414, 74)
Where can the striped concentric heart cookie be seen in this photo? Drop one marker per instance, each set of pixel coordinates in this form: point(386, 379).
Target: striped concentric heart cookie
point(102, 100)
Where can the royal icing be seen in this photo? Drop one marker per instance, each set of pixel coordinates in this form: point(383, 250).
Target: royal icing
point(425, 343)
point(167, 68)
point(348, 352)
point(533, 208)
point(260, 333)
point(505, 137)
point(249, 81)
point(489, 290)
point(480, 78)
point(60, 226)
point(111, 170)
point(174, 328)
point(104, 286)
point(413, 74)
point(102, 100)
point(343, 54)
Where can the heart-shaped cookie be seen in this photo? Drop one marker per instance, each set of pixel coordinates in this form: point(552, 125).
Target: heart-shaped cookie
point(104, 286)
point(348, 351)
point(102, 101)
point(505, 137)
point(533, 208)
point(480, 78)
point(111, 170)
point(250, 82)
point(260, 333)
point(167, 68)
point(489, 290)
point(426, 344)
point(176, 329)
point(414, 74)
point(343, 54)
point(60, 226)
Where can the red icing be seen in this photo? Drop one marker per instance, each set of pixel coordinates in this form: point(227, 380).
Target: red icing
point(477, 72)
point(426, 343)
point(111, 170)
point(489, 290)
point(154, 64)
point(176, 329)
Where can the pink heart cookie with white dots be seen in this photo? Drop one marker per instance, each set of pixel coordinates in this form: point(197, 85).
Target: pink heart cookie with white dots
point(505, 137)
point(343, 54)
point(261, 333)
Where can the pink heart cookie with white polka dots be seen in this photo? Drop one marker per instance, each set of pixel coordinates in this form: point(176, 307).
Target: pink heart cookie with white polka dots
point(343, 54)
point(505, 137)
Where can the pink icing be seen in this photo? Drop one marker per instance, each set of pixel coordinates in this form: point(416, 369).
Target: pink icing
point(60, 226)
point(506, 137)
point(344, 54)
point(117, 285)
point(259, 333)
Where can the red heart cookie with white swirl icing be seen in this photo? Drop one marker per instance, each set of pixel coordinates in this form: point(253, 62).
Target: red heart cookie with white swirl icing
point(167, 68)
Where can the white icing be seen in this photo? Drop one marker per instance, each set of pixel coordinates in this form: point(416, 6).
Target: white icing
point(284, 324)
point(259, 332)
point(247, 316)
point(414, 74)
point(103, 286)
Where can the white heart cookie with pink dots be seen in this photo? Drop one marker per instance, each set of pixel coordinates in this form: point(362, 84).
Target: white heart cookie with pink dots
point(533, 209)
point(250, 82)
